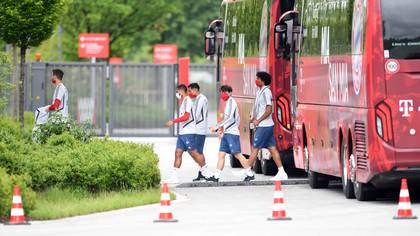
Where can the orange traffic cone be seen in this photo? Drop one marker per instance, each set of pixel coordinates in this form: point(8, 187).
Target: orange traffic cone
point(279, 213)
point(17, 216)
point(404, 204)
point(165, 211)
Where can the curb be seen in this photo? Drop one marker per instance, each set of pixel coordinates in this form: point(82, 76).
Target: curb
point(240, 183)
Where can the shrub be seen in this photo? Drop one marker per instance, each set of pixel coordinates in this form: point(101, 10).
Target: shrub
point(7, 183)
point(99, 165)
point(67, 162)
point(57, 125)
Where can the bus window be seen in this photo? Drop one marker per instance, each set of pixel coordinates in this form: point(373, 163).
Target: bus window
point(401, 29)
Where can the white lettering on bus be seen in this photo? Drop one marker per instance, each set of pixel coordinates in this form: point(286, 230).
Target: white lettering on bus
point(338, 80)
point(406, 106)
point(241, 49)
point(249, 72)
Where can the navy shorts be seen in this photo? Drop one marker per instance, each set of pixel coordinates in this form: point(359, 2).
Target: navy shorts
point(199, 142)
point(264, 137)
point(230, 144)
point(186, 142)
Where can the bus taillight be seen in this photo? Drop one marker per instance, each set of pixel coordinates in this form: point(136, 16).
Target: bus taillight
point(283, 112)
point(383, 122)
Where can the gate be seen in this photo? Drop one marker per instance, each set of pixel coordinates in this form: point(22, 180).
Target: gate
point(142, 99)
point(85, 83)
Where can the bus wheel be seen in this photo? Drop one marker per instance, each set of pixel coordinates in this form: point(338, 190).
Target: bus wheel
point(257, 167)
point(348, 189)
point(234, 163)
point(316, 180)
point(268, 167)
point(364, 192)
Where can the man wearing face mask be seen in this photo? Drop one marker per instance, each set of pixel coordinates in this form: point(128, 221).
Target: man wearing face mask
point(61, 95)
point(187, 136)
point(263, 121)
point(200, 109)
point(230, 142)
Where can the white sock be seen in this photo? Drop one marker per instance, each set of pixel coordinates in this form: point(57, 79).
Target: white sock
point(217, 173)
point(249, 172)
point(281, 170)
point(205, 171)
point(175, 171)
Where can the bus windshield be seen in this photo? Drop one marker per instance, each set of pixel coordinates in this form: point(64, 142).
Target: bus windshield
point(401, 29)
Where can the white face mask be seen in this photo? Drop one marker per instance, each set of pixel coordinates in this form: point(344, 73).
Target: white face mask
point(178, 96)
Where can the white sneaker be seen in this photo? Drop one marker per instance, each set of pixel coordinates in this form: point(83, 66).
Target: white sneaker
point(172, 180)
point(281, 175)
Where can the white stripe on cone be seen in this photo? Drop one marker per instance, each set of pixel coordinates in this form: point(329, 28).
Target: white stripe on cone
point(17, 212)
point(278, 194)
point(278, 207)
point(404, 206)
point(165, 209)
point(165, 197)
point(404, 193)
point(17, 199)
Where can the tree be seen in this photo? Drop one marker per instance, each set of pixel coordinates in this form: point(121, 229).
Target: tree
point(5, 70)
point(126, 21)
point(26, 23)
point(186, 28)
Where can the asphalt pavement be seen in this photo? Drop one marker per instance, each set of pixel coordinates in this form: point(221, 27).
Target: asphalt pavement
point(235, 210)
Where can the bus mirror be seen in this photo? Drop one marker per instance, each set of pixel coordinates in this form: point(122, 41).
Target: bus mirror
point(210, 43)
point(280, 37)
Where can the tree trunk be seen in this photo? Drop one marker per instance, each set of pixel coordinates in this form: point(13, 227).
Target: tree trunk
point(22, 86)
point(15, 94)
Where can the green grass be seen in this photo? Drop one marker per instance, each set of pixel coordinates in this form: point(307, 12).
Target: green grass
point(56, 203)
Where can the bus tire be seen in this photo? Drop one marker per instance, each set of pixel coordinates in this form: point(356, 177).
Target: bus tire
point(317, 180)
point(348, 189)
point(234, 163)
point(268, 167)
point(364, 192)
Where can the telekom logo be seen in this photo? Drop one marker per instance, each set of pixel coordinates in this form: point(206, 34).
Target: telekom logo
point(406, 106)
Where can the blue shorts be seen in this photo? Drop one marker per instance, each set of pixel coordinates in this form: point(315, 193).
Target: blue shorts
point(230, 144)
point(186, 142)
point(264, 137)
point(199, 142)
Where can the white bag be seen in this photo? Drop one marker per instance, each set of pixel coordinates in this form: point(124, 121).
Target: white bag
point(41, 115)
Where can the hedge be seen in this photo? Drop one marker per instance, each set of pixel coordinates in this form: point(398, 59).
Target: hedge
point(65, 161)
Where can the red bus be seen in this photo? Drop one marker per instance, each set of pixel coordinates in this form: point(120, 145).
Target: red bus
point(245, 46)
point(357, 87)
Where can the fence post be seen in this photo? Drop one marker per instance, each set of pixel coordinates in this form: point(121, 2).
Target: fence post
point(39, 74)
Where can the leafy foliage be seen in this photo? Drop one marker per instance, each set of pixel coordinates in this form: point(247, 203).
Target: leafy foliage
point(66, 162)
point(5, 70)
point(57, 125)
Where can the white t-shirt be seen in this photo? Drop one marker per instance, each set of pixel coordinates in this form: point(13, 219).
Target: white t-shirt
point(264, 98)
point(201, 113)
point(231, 118)
point(189, 126)
point(62, 94)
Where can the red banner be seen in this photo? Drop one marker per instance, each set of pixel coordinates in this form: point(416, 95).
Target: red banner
point(165, 53)
point(94, 45)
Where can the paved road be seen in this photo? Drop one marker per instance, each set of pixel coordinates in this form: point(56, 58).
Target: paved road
point(239, 211)
point(165, 148)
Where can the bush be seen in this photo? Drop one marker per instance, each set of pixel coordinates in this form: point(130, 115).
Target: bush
point(7, 183)
point(67, 162)
point(99, 165)
point(57, 125)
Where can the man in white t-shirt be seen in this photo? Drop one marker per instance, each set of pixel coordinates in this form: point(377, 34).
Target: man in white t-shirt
point(263, 121)
point(61, 96)
point(187, 136)
point(229, 127)
point(200, 110)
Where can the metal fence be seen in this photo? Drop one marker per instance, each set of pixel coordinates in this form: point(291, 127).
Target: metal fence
point(118, 99)
point(85, 83)
point(141, 99)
